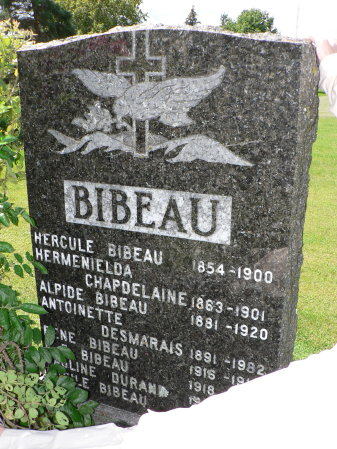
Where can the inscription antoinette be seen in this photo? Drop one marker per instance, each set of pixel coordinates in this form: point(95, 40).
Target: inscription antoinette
point(167, 170)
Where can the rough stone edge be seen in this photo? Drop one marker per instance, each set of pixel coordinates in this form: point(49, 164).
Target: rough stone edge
point(105, 414)
point(306, 131)
point(274, 37)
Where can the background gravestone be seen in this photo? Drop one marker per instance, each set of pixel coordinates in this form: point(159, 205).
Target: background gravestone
point(167, 169)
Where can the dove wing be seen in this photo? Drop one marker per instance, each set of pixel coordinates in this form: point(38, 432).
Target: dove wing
point(181, 94)
point(103, 84)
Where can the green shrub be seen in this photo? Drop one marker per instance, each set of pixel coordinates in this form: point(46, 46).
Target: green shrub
point(11, 39)
point(35, 392)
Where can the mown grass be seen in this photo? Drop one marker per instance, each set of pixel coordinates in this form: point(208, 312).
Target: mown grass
point(317, 306)
point(19, 237)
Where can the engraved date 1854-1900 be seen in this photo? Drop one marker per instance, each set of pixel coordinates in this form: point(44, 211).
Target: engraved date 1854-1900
point(245, 273)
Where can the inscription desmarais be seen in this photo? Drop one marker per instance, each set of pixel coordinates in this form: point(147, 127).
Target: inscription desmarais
point(163, 209)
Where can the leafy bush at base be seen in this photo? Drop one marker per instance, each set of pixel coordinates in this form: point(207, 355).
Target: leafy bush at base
point(35, 391)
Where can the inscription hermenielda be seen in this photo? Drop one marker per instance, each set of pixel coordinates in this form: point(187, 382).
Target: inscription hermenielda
point(163, 170)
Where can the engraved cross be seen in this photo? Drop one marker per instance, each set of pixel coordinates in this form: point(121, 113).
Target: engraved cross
point(141, 66)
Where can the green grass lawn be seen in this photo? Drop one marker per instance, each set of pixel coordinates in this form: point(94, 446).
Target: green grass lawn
point(317, 306)
point(19, 237)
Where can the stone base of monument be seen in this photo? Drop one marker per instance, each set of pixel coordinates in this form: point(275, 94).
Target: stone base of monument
point(106, 414)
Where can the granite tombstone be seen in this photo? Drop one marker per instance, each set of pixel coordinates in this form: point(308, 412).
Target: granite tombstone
point(167, 169)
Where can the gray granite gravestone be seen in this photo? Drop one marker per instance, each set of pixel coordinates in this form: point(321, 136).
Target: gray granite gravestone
point(167, 169)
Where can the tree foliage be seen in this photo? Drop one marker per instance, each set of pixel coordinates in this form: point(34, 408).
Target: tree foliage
point(47, 19)
point(192, 19)
point(249, 21)
point(21, 11)
point(100, 15)
point(51, 20)
point(57, 19)
point(11, 39)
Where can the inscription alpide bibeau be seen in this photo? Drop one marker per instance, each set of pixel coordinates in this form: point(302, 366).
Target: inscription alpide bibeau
point(163, 170)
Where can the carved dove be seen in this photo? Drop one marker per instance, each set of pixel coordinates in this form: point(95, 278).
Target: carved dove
point(169, 101)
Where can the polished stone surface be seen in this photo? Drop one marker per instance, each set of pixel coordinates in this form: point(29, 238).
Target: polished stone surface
point(167, 169)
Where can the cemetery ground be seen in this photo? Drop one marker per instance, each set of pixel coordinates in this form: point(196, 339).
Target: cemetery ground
point(317, 306)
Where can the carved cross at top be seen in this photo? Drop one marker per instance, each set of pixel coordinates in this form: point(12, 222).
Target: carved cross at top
point(141, 66)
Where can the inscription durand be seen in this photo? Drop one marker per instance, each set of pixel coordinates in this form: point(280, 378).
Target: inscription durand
point(177, 214)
